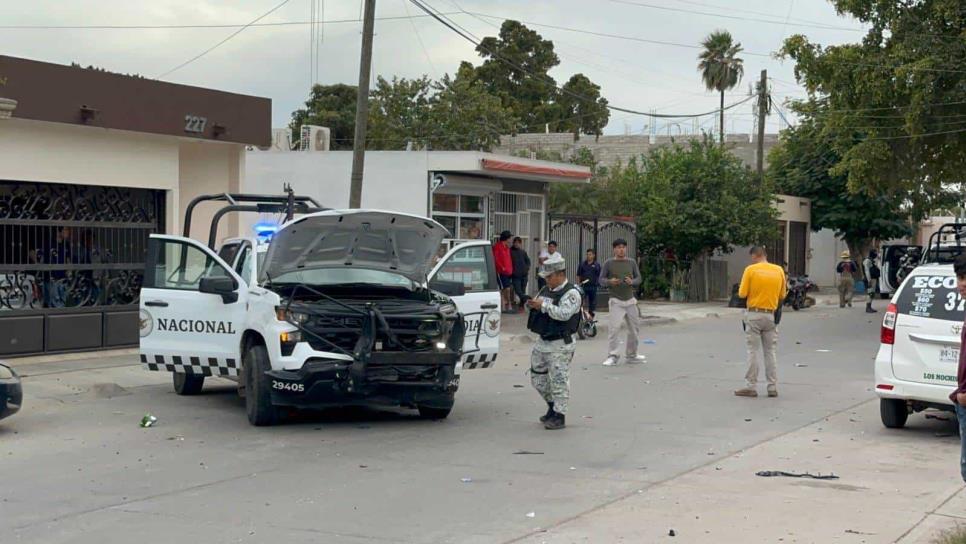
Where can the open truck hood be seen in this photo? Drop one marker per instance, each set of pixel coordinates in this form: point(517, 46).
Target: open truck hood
point(368, 239)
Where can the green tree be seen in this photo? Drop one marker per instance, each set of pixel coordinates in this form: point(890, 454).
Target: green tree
point(894, 104)
point(692, 200)
point(720, 67)
point(583, 198)
point(805, 163)
point(464, 116)
point(516, 69)
point(580, 108)
point(332, 106)
point(399, 112)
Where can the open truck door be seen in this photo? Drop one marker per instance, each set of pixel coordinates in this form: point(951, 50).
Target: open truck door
point(472, 265)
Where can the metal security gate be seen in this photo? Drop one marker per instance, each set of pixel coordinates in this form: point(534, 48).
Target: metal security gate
point(575, 234)
point(71, 265)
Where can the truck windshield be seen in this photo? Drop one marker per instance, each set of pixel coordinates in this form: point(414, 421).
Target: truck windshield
point(337, 276)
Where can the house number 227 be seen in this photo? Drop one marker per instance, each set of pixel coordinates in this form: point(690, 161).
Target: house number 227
point(193, 123)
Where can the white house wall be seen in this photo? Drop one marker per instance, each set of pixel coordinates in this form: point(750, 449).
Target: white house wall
point(208, 168)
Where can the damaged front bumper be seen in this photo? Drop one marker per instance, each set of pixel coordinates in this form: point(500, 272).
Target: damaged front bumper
point(387, 378)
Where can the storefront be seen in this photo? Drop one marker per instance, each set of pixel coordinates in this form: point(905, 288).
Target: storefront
point(92, 163)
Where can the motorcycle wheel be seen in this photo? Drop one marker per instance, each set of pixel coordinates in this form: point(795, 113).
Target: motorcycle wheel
point(580, 329)
point(591, 330)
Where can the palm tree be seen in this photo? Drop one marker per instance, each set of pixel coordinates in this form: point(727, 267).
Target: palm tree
point(720, 68)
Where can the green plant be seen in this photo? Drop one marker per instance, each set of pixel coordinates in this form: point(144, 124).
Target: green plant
point(953, 536)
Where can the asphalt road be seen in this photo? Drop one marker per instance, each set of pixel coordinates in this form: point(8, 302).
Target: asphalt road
point(76, 467)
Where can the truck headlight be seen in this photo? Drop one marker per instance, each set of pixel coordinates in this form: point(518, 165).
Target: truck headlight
point(448, 309)
point(282, 314)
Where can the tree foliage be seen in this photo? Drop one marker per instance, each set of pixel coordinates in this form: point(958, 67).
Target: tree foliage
point(721, 69)
point(332, 106)
point(516, 69)
point(453, 113)
point(688, 199)
point(893, 106)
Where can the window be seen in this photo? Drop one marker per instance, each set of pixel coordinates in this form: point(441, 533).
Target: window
point(177, 265)
point(473, 266)
point(228, 252)
point(463, 215)
point(932, 296)
point(244, 266)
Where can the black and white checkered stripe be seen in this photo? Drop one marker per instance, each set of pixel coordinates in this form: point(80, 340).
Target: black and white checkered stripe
point(206, 366)
point(479, 360)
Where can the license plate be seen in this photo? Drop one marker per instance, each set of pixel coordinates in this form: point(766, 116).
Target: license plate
point(949, 354)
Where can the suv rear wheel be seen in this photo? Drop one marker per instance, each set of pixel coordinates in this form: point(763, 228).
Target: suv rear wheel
point(894, 413)
point(188, 384)
point(258, 396)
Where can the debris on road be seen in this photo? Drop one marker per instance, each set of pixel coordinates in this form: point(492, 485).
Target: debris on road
point(650, 342)
point(823, 351)
point(773, 473)
point(573, 468)
point(466, 480)
point(518, 386)
point(148, 420)
point(938, 418)
point(178, 438)
point(671, 533)
point(747, 419)
point(800, 365)
point(527, 452)
point(854, 532)
point(531, 514)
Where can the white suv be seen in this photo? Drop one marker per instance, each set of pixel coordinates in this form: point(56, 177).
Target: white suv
point(918, 357)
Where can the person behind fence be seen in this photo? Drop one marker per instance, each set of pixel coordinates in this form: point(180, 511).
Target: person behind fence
point(622, 277)
point(554, 317)
point(846, 270)
point(763, 285)
point(589, 272)
point(521, 269)
point(872, 274)
point(543, 256)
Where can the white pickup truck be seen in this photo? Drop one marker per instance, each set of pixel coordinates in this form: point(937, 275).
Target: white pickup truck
point(339, 307)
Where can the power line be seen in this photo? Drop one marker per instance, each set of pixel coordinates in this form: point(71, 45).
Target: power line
point(464, 34)
point(230, 36)
point(757, 20)
point(753, 12)
point(200, 26)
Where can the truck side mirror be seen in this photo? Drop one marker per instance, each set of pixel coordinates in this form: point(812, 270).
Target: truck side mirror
point(224, 286)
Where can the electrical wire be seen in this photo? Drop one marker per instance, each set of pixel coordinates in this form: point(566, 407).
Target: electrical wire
point(466, 35)
point(200, 26)
point(230, 36)
point(735, 17)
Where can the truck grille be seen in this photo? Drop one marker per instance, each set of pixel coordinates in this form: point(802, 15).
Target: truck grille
point(415, 334)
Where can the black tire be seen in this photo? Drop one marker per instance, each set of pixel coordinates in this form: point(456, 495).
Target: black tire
point(894, 413)
point(258, 395)
point(580, 329)
point(434, 412)
point(188, 384)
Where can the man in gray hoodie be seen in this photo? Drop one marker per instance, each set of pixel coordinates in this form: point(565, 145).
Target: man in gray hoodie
point(621, 277)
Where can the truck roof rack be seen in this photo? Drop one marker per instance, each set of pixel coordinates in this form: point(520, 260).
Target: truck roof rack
point(289, 204)
point(940, 248)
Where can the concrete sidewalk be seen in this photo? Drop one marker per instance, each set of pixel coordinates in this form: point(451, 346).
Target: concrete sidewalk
point(894, 486)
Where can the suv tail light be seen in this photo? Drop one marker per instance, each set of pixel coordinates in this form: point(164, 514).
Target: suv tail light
point(888, 334)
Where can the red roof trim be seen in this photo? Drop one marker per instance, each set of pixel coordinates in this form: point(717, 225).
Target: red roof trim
point(506, 166)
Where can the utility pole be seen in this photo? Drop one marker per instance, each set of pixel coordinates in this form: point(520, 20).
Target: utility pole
point(762, 111)
point(362, 106)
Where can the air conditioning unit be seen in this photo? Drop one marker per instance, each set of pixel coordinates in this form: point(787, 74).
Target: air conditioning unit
point(281, 139)
point(314, 138)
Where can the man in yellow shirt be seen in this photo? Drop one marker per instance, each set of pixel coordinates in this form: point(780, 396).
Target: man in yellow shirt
point(763, 286)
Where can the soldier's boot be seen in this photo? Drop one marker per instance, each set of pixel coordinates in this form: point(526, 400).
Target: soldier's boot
point(549, 414)
point(554, 422)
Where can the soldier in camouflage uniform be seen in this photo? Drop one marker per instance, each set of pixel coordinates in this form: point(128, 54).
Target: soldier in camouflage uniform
point(554, 316)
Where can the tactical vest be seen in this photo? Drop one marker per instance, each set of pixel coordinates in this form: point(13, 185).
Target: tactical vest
point(551, 329)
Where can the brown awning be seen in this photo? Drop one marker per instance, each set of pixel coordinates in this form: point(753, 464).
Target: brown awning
point(80, 96)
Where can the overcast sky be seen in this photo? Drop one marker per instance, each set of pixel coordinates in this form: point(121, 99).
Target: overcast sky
point(274, 61)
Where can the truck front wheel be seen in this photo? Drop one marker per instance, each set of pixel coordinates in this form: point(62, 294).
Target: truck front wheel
point(188, 384)
point(894, 413)
point(258, 395)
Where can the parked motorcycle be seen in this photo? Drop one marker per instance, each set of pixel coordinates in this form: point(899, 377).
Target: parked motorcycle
point(798, 289)
point(588, 323)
